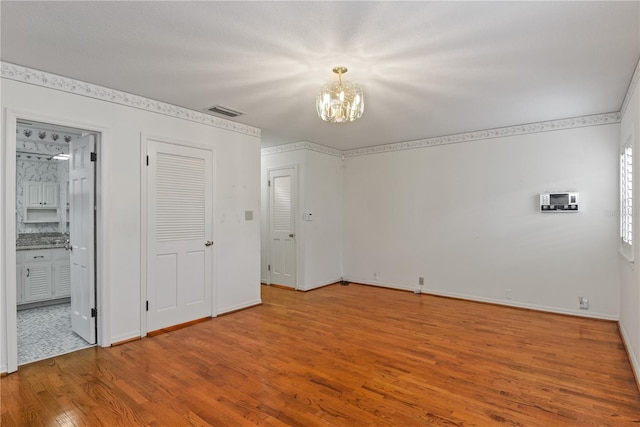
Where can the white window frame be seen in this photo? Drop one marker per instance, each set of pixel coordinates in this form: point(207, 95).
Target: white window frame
point(626, 200)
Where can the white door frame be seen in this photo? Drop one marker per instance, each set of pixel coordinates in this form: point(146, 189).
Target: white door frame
point(144, 210)
point(296, 224)
point(9, 224)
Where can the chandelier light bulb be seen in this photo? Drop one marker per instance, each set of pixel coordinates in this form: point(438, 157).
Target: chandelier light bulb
point(338, 101)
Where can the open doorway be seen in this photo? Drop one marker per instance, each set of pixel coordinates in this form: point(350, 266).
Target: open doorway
point(55, 240)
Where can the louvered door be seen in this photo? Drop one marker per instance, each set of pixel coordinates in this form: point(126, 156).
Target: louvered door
point(282, 185)
point(180, 256)
point(37, 281)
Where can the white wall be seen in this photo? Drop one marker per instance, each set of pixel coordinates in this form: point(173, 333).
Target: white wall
point(237, 189)
point(466, 218)
point(319, 242)
point(630, 288)
point(323, 235)
point(238, 241)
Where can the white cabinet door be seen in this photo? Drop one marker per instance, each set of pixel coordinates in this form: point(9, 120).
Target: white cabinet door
point(41, 194)
point(33, 194)
point(50, 194)
point(19, 281)
point(61, 273)
point(37, 281)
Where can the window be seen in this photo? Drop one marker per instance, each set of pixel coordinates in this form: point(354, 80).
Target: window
point(626, 200)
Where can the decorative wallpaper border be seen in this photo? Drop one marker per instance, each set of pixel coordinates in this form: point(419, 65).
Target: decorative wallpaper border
point(632, 88)
point(575, 122)
point(41, 135)
point(77, 87)
point(302, 145)
point(65, 84)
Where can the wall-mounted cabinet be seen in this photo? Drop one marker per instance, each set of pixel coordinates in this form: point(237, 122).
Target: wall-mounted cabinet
point(41, 200)
point(41, 194)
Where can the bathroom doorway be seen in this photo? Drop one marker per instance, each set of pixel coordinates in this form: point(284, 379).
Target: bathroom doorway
point(55, 240)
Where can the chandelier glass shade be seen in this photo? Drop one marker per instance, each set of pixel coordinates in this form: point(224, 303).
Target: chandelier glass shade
point(338, 101)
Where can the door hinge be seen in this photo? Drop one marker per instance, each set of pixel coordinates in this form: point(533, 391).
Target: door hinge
point(94, 312)
point(94, 157)
point(269, 183)
point(269, 267)
point(147, 306)
point(147, 160)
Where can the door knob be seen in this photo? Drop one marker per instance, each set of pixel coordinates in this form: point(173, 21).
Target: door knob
point(208, 243)
point(292, 235)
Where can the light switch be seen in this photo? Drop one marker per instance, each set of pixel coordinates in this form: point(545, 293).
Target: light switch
point(248, 215)
point(307, 217)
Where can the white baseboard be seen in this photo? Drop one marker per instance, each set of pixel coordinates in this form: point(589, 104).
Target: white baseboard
point(380, 284)
point(508, 303)
point(124, 337)
point(635, 361)
point(240, 306)
point(319, 285)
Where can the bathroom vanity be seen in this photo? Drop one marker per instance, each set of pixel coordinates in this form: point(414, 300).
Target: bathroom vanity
point(43, 268)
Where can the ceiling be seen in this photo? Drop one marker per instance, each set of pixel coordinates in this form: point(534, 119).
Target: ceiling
point(427, 68)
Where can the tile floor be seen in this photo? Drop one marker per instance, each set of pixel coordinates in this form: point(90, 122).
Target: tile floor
point(45, 332)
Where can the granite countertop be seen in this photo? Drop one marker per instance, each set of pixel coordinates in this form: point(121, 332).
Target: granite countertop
point(29, 241)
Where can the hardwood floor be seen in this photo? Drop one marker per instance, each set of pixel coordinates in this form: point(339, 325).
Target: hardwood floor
point(342, 356)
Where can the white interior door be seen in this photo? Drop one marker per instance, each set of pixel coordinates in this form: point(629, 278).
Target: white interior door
point(81, 237)
point(282, 187)
point(180, 231)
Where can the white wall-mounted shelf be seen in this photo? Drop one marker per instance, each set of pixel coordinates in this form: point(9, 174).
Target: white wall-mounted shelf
point(40, 200)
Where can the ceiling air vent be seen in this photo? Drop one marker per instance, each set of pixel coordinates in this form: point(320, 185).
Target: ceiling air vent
point(225, 111)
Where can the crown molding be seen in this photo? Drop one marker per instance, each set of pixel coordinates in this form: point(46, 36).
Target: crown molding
point(77, 87)
point(575, 122)
point(302, 145)
point(548, 126)
point(631, 89)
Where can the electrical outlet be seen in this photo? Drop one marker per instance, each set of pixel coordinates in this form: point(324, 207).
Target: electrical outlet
point(421, 281)
point(584, 303)
point(507, 293)
point(375, 276)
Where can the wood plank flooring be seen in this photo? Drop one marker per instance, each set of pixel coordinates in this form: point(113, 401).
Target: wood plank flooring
point(342, 356)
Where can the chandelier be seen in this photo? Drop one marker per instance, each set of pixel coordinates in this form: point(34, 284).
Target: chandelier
point(338, 101)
